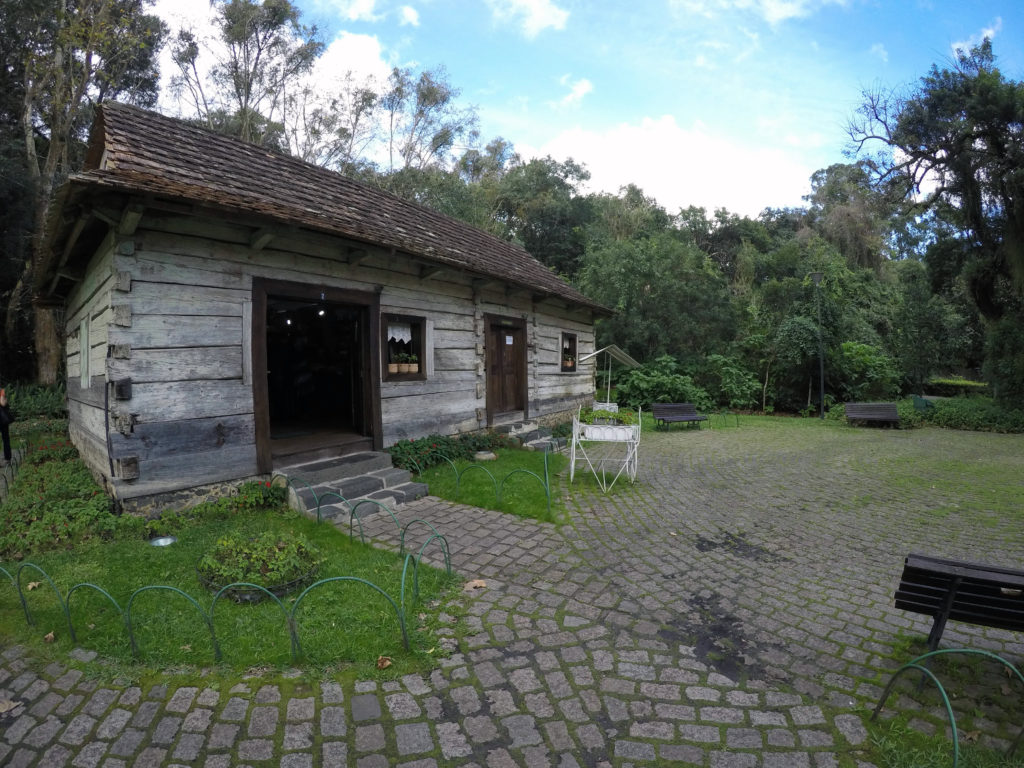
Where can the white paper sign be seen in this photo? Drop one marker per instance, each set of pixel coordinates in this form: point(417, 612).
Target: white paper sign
point(508, 341)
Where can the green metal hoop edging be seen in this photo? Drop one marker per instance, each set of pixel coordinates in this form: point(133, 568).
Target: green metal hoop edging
point(288, 620)
point(415, 580)
point(206, 617)
point(436, 535)
point(499, 488)
point(21, 594)
point(353, 515)
point(485, 470)
point(320, 502)
point(399, 612)
point(71, 627)
point(291, 484)
point(913, 664)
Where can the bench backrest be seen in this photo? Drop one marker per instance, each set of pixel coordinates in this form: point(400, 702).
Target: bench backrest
point(673, 409)
point(881, 411)
point(985, 594)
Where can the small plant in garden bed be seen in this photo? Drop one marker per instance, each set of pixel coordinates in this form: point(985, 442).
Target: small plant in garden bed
point(280, 562)
point(425, 452)
point(607, 417)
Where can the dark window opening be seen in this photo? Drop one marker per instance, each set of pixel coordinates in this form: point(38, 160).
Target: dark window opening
point(568, 352)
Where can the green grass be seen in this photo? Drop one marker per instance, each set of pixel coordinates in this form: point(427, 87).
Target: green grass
point(521, 494)
point(897, 745)
point(340, 622)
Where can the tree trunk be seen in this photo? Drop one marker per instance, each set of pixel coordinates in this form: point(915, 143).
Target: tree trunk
point(48, 343)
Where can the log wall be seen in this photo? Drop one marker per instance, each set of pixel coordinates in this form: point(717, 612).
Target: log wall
point(170, 404)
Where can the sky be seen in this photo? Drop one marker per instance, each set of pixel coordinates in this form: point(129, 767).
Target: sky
point(714, 103)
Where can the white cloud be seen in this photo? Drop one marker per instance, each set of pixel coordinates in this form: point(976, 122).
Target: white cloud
point(964, 46)
point(361, 55)
point(772, 11)
point(683, 166)
point(408, 16)
point(878, 50)
point(355, 10)
point(534, 15)
point(577, 90)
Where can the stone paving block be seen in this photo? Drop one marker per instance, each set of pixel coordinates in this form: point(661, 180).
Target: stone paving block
point(263, 721)
point(413, 738)
point(189, 747)
point(223, 736)
point(297, 761)
point(298, 736)
point(181, 700)
point(44, 733)
point(365, 707)
point(372, 761)
point(402, 706)
point(113, 724)
point(208, 697)
point(453, 742)
point(166, 730)
point(332, 722)
point(90, 755)
point(56, 756)
point(733, 760)
point(151, 757)
point(334, 753)
point(268, 694)
point(17, 730)
point(235, 710)
point(128, 742)
point(481, 729)
point(255, 749)
point(370, 738)
point(301, 709)
point(78, 729)
point(67, 681)
point(198, 720)
point(22, 758)
point(743, 738)
point(634, 750)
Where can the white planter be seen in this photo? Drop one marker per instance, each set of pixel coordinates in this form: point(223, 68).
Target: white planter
point(608, 432)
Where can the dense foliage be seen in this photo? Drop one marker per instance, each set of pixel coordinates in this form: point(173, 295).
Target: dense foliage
point(270, 559)
point(425, 452)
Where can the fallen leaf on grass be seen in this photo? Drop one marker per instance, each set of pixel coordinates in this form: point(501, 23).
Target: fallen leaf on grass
point(474, 584)
point(33, 584)
point(48, 637)
point(1006, 690)
point(383, 662)
point(6, 705)
point(672, 533)
point(971, 736)
point(186, 647)
point(92, 626)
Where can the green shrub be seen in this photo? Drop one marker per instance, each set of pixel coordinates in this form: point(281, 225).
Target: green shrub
point(34, 401)
point(862, 373)
point(658, 382)
point(732, 385)
point(978, 413)
point(422, 453)
point(271, 559)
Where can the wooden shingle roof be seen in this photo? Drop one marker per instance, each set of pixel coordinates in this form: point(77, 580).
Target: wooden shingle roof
point(144, 153)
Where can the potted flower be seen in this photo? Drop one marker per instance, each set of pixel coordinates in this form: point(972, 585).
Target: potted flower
point(403, 362)
point(568, 361)
point(393, 363)
point(414, 363)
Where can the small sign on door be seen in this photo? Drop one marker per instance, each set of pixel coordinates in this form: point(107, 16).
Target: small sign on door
point(508, 341)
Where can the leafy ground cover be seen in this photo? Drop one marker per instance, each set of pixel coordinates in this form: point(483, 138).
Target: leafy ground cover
point(56, 518)
point(478, 483)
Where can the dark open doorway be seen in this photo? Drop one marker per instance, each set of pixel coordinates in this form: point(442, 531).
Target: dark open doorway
point(314, 389)
point(314, 365)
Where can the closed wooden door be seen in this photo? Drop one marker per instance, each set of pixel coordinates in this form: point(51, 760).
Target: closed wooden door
point(506, 356)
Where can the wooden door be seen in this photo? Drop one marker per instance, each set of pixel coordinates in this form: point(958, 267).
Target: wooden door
point(506, 376)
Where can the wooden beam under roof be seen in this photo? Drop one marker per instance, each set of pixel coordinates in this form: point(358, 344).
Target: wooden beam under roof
point(130, 217)
point(428, 271)
point(261, 238)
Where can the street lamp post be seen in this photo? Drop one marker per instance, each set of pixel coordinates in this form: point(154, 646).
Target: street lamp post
point(816, 278)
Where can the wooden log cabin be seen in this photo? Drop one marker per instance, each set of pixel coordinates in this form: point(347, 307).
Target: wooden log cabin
point(225, 304)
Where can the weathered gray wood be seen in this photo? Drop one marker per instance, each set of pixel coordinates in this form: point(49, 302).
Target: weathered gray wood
point(174, 438)
point(455, 359)
point(247, 342)
point(89, 417)
point(154, 402)
point(164, 331)
point(93, 396)
point(97, 278)
point(160, 299)
point(225, 463)
point(457, 384)
point(181, 270)
point(180, 364)
point(92, 449)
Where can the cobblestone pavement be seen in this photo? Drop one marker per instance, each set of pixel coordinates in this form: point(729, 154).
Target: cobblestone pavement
point(733, 609)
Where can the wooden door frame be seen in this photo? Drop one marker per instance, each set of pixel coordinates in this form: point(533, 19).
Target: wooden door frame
point(516, 323)
point(370, 304)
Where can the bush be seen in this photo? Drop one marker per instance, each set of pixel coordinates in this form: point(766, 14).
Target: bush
point(733, 385)
point(425, 452)
point(954, 386)
point(658, 382)
point(272, 559)
point(862, 373)
point(33, 401)
point(977, 413)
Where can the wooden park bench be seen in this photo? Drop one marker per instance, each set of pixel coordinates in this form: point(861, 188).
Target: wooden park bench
point(882, 412)
point(670, 413)
point(987, 595)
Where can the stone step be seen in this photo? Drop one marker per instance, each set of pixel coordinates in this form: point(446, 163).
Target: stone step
point(339, 467)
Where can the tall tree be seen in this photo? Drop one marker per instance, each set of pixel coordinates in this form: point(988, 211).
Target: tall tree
point(73, 54)
point(265, 49)
point(958, 140)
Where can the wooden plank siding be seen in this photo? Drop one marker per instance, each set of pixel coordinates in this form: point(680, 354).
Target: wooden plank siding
point(176, 307)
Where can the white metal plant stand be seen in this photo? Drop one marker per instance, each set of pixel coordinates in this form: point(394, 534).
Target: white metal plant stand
point(626, 434)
